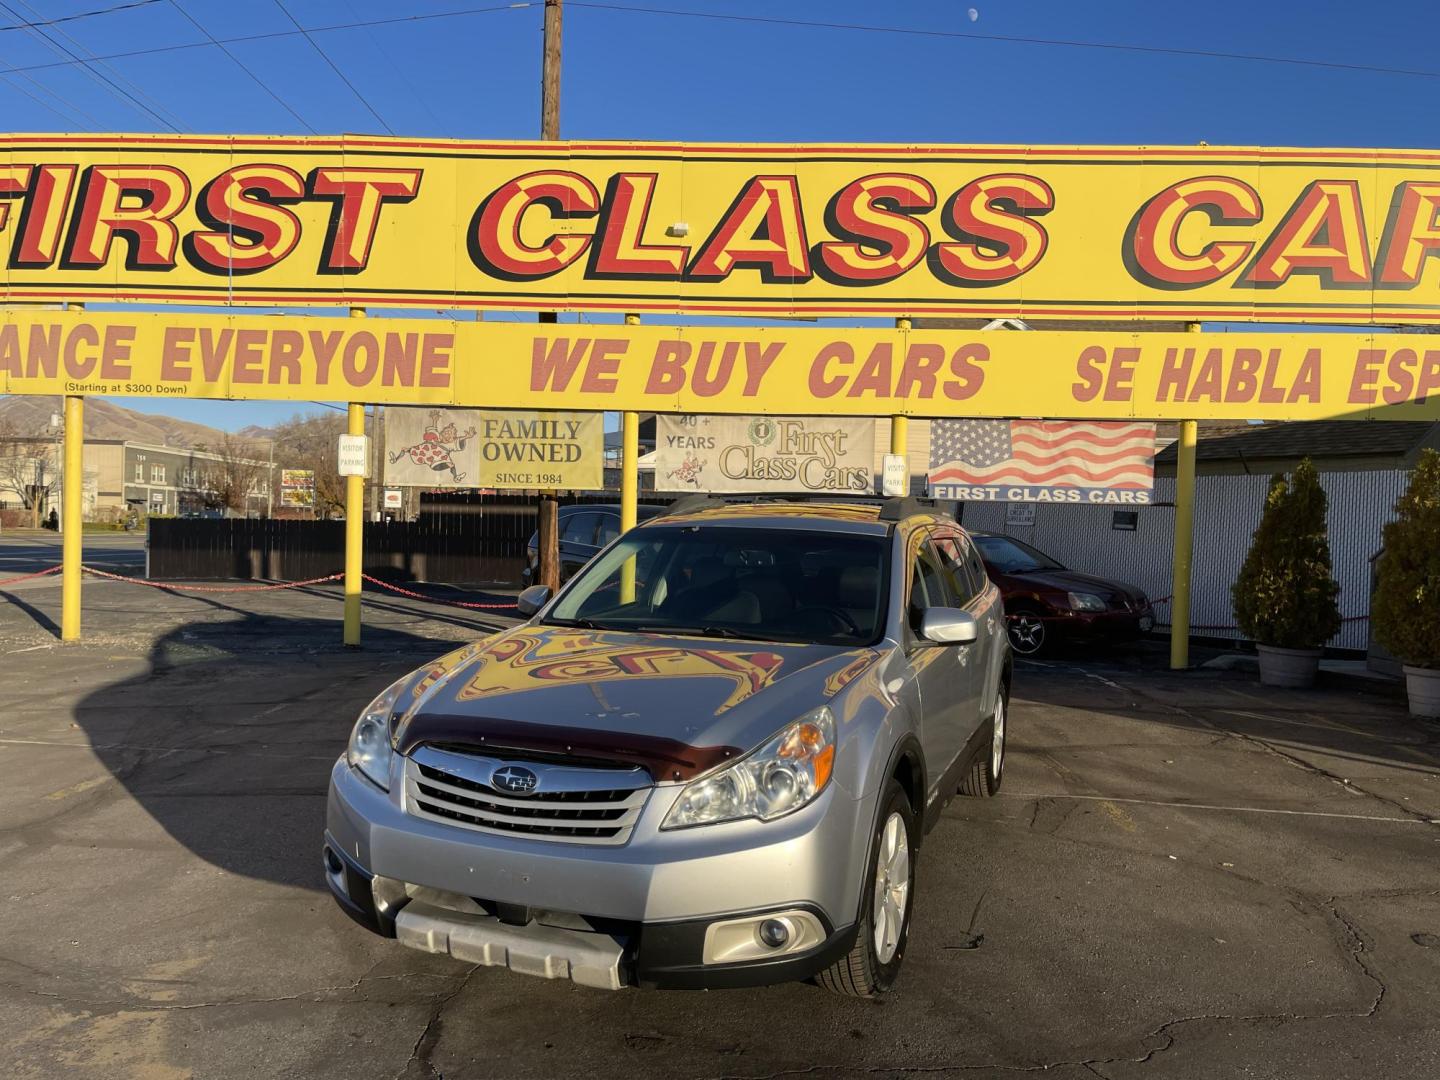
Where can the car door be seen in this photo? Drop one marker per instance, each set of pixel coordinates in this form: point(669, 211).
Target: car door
point(944, 674)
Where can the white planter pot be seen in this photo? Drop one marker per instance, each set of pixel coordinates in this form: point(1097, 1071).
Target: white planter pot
point(1295, 668)
point(1423, 685)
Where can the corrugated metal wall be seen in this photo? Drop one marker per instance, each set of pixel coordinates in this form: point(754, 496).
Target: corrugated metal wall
point(1227, 509)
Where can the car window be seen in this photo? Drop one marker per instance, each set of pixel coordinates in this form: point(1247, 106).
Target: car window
point(975, 565)
point(580, 529)
point(1010, 556)
point(927, 584)
point(960, 577)
point(609, 529)
point(766, 584)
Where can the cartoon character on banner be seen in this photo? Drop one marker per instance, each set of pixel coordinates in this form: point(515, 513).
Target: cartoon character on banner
point(689, 470)
point(438, 445)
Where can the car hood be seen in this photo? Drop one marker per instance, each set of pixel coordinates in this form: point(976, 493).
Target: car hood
point(1074, 581)
point(676, 705)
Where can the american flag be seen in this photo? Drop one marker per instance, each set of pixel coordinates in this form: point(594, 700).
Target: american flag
point(1045, 453)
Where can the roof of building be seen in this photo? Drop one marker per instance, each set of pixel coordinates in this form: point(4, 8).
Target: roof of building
point(1307, 438)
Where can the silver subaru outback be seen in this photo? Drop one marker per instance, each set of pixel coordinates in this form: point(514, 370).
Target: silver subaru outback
point(708, 761)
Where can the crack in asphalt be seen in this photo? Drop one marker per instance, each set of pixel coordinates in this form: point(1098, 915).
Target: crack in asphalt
point(429, 1037)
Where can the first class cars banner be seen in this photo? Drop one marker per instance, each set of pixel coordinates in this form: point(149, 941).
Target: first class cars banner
point(744, 370)
point(1073, 232)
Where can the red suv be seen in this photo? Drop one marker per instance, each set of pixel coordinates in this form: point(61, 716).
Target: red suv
point(1044, 601)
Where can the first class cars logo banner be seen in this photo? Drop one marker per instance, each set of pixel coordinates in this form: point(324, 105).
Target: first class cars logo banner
point(742, 370)
point(1042, 461)
point(1074, 232)
point(813, 454)
point(455, 448)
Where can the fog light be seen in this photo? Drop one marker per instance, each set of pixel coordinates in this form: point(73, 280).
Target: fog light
point(775, 933)
point(332, 862)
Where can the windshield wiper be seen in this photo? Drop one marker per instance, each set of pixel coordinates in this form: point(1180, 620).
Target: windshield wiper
point(581, 624)
point(692, 631)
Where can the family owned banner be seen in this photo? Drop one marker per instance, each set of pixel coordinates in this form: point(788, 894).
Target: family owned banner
point(811, 454)
point(469, 448)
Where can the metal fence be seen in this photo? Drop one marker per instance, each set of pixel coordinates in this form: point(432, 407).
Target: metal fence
point(460, 537)
point(1227, 510)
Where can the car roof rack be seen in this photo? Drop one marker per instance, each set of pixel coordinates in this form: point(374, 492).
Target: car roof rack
point(904, 506)
point(687, 504)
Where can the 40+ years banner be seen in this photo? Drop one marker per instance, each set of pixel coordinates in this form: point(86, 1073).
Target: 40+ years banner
point(1073, 232)
point(750, 371)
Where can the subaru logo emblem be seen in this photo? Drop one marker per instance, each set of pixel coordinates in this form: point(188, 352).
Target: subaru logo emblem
point(515, 779)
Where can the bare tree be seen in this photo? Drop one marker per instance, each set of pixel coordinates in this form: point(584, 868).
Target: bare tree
point(309, 442)
point(25, 461)
point(230, 479)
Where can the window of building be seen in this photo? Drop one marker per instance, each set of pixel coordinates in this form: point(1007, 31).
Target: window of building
point(157, 474)
point(139, 472)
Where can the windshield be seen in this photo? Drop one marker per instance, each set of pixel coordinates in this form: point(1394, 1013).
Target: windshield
point(719, 581)
point(1011, 556)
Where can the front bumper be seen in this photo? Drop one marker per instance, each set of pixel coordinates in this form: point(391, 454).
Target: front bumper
point(1109, 625)
point(632, 914)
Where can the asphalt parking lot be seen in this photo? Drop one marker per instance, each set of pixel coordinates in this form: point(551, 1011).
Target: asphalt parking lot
point(1185, 876)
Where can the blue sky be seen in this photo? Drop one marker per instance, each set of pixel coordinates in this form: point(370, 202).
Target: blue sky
point(629, 74)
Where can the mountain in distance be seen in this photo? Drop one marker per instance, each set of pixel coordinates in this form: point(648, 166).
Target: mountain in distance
point(106, 420)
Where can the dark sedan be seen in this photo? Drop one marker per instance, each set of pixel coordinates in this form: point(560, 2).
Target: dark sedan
point(585, 528)
point(1045, 601)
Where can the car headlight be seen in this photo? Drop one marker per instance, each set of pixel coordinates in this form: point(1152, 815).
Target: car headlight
point(1084, 601)
point(783, 775)
point(369, 749)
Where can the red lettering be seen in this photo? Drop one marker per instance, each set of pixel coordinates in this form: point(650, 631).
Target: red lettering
point(879, 236)
point(992, 221)
point(1152, 242)
point(152, 237)
point(359, 196)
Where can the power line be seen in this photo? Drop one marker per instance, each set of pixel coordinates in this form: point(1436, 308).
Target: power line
point(94, 73)
point(130, 86)
point(79, 15)
point(962, 35)
point(241, 65)
point(270, 35)
point(764, 20)
point(403, 71)
point(324, 56)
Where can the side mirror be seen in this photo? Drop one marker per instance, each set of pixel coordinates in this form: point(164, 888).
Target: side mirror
point(948, 626)
point(532, 600)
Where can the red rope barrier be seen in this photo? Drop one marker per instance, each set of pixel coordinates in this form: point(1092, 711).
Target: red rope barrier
point(26, 577)
point(212, 588)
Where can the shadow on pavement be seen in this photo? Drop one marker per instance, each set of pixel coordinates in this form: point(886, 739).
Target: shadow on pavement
point(228, 737)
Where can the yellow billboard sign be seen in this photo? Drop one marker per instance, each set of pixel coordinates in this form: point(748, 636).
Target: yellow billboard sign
point(1074, 232)
point(745, 370)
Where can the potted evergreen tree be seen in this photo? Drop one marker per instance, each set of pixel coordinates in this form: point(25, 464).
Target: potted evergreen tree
point(1405, 613)
point(1285, 595)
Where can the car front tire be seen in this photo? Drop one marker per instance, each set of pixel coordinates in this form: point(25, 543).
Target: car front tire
point(889, 895)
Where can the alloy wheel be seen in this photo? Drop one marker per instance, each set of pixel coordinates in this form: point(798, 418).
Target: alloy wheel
point(892, 888)
point(1027, 632)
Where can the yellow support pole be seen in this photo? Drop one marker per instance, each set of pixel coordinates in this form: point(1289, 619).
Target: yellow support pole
point(1184, 540)
point(900, 425)
point(71, 547)
point(354, 523)
point(629, 485)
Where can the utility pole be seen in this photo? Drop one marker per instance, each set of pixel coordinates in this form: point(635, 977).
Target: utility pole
point(548, 540)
